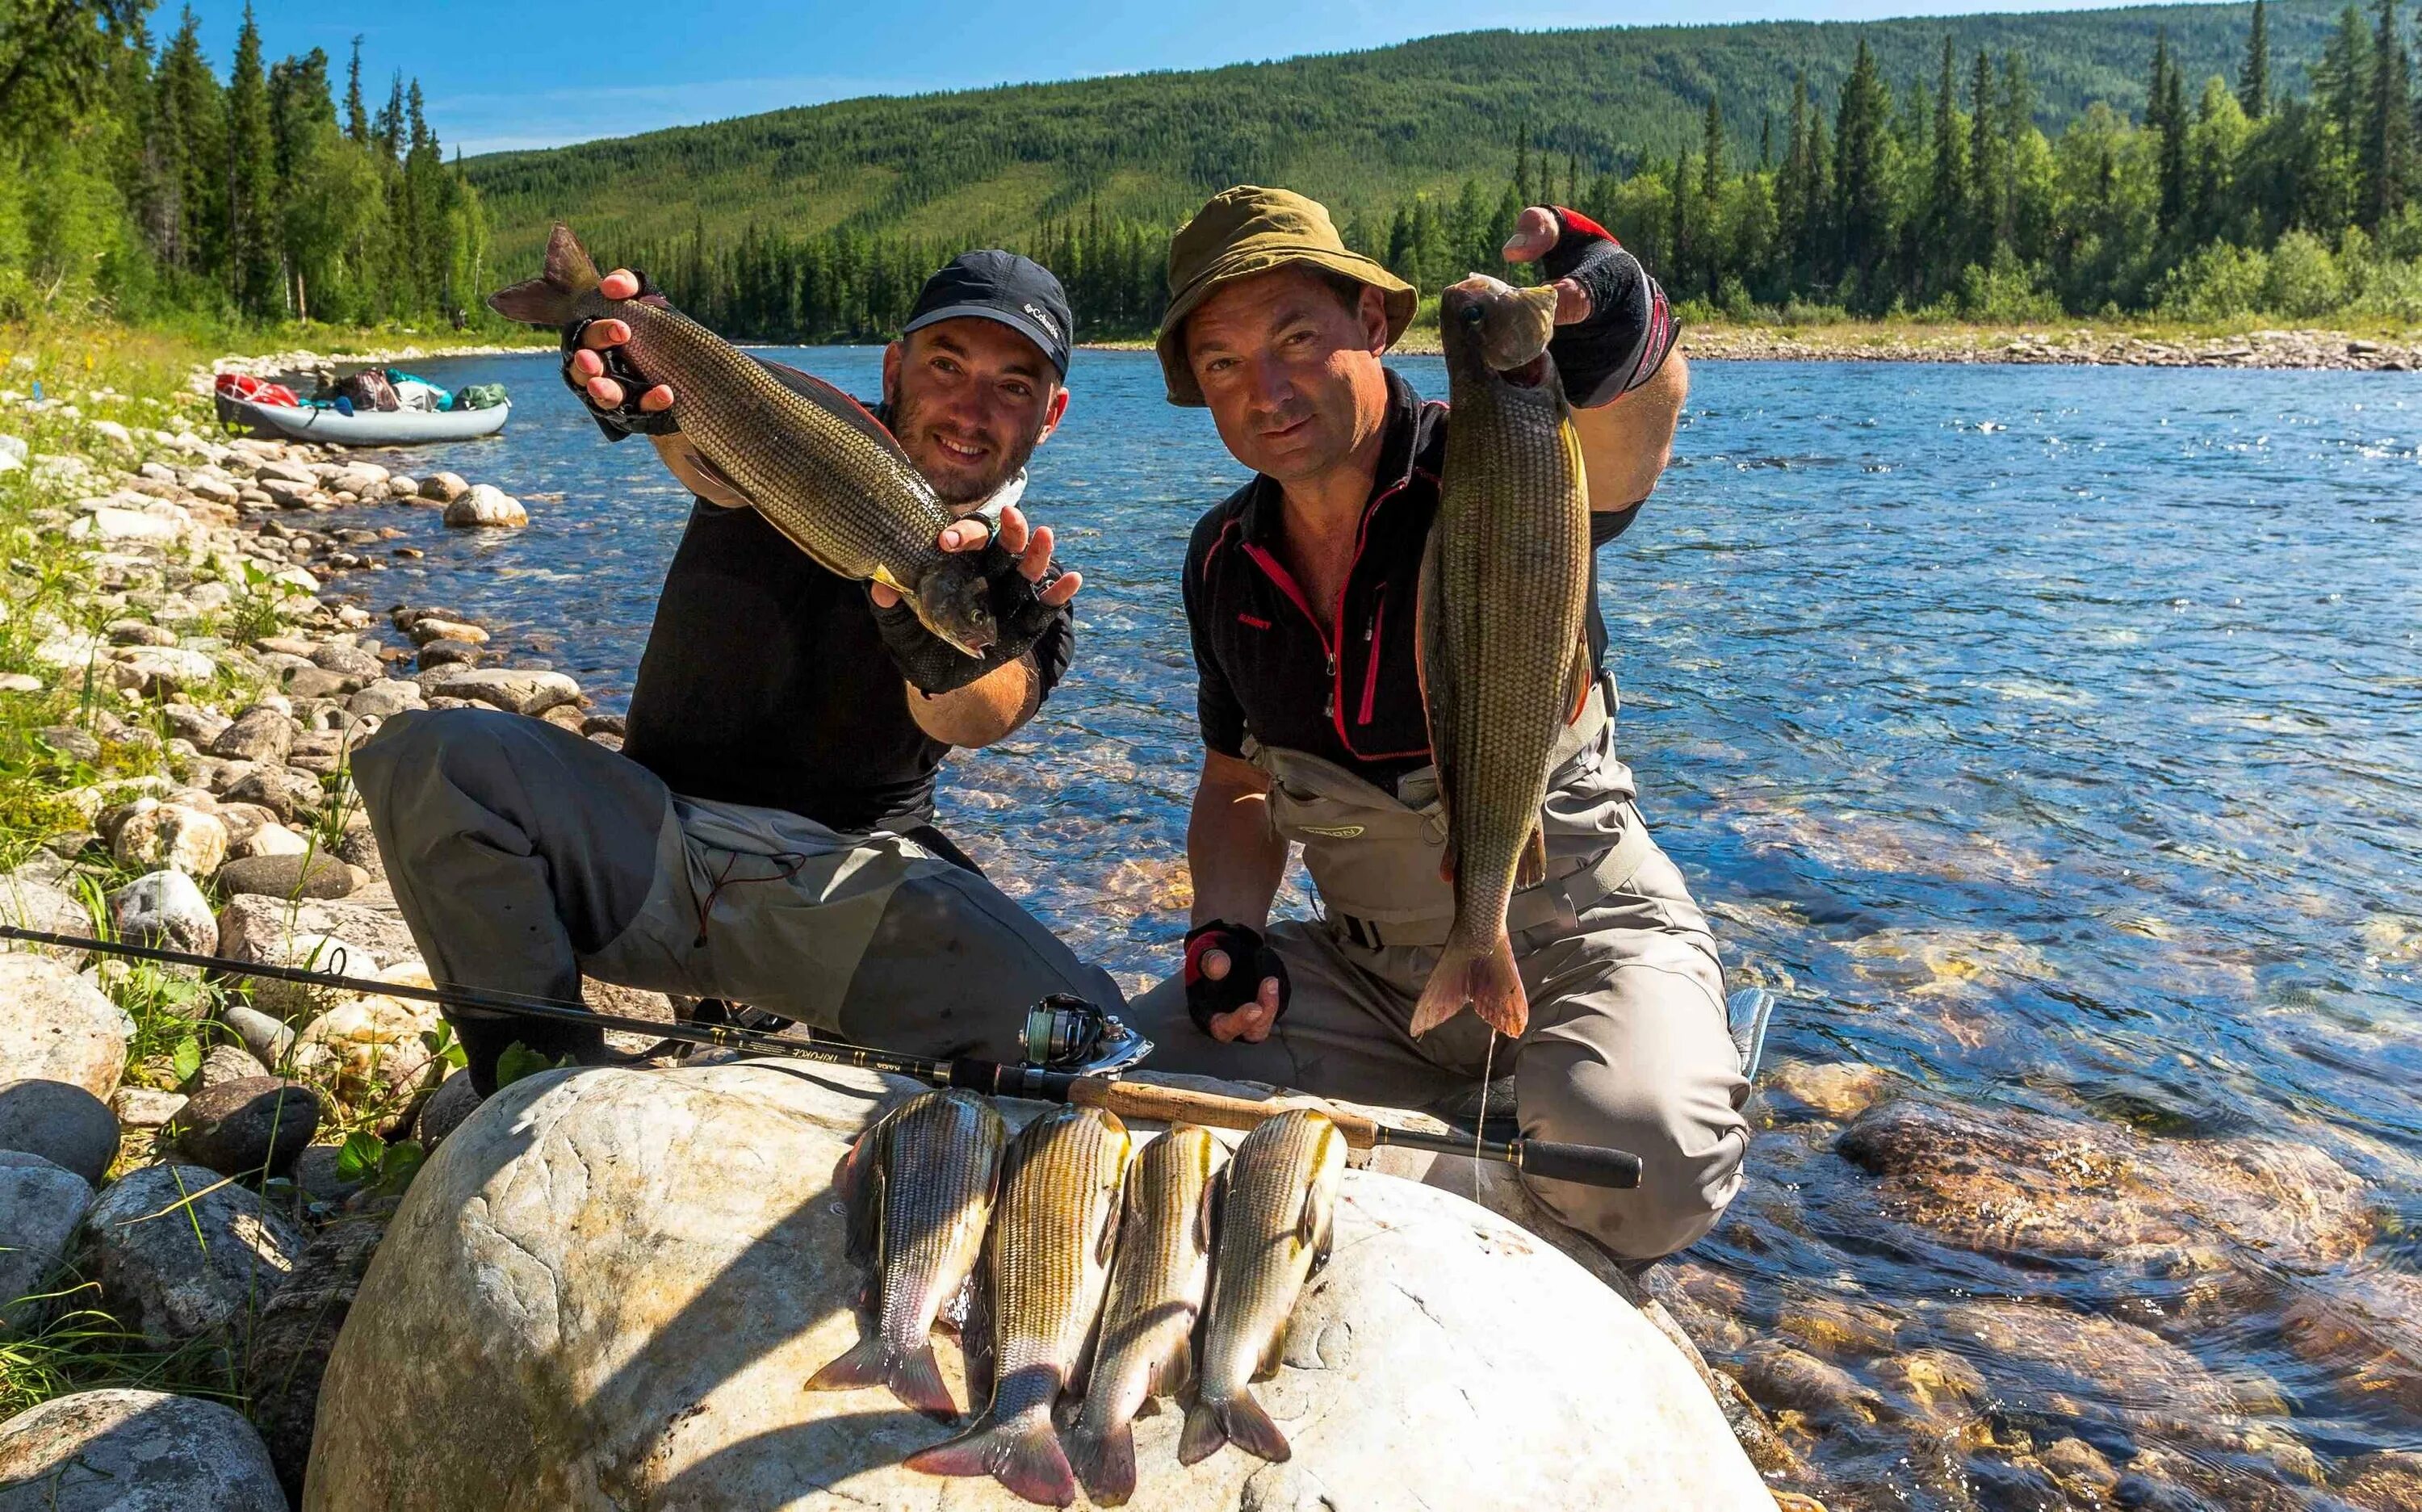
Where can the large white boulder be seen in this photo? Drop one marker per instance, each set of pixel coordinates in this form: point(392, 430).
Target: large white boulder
point(605, 1288)
point(487, 504)
point(127, 1450)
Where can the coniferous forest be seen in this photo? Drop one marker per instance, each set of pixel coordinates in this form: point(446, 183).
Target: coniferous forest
point(2244, 162)
point(142, 173)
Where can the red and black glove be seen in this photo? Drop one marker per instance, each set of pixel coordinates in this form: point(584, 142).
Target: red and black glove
point(626, 418)
point(1251, 961)
point(1630, 328)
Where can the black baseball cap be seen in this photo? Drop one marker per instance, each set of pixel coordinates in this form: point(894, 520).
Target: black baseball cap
point(994, 285)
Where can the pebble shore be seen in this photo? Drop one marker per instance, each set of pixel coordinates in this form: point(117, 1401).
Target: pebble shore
point(2081, 347)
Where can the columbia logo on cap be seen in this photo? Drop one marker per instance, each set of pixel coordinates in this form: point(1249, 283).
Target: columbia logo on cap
point(1042, 318)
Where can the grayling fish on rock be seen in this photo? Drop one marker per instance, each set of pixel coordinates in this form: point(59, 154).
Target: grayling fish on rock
point(920, 1185)
point(1277, 1218)
point(819, 468)
point(1504, 656)
point(1048, 1262)
point(1145, 1349)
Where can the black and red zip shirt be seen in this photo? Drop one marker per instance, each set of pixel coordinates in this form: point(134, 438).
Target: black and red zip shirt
point(1264, 664)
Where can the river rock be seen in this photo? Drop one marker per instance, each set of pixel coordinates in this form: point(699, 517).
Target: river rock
point(56, 1026)
point(2386, 1482)
point(257, 735)
point(454, 1100)
point(445, 487)
point(278, 467)
point(2014, 1183)
point(64, 1124)
point(372, 1046)
point(352, 661)
point(133, 1451)
point(156, 672)
point(290, 875)
point(223, 1064)
point(201, 725)
point(168, 910)
point(605, 1287)
point(516, 689)
point(257, 928)
point(1838, 1089)
point(173, 837)
point(271, 839)
point(40, 1204)
point(31, 899)
point(297, 1331)
point(430, 627)
point(140, 1240)
point(146, 1107)
point(265, 1038)
point(2364, 1330)
point(385, 698)
point(446, 653)
point(281, 790)
point(487, 505)
point(257, 1124)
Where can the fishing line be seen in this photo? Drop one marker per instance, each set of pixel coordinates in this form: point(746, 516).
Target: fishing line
point(1488, 1064)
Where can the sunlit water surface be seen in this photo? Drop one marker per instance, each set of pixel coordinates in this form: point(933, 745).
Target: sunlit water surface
point(2050, 737)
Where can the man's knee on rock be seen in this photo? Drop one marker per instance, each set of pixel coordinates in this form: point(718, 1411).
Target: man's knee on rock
point(1688, 1168)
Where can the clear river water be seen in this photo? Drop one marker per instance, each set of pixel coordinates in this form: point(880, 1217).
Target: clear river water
point(2048, 737)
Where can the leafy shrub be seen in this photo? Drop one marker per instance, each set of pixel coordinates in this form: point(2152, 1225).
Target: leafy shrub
point(2009, 291)
point(2304, 280)
point(2218, 282)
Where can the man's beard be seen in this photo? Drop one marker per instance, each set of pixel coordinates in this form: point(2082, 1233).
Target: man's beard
point(957, 488)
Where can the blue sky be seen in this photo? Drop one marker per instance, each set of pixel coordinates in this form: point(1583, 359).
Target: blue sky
point(541, 72)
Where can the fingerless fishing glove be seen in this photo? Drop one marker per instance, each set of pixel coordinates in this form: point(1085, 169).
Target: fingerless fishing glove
point(626, 418)
point(933, 665)
point(1251, 961)
point(1630, 328)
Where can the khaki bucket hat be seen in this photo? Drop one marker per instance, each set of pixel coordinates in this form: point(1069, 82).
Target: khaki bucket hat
point(1248, 230)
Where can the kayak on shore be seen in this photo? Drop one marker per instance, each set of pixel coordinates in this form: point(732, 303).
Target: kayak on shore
point(374, 428)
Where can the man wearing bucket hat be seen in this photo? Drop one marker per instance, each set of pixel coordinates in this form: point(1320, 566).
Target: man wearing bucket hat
point(1300, 591)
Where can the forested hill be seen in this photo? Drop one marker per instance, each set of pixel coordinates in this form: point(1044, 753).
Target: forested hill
point(1361, 130)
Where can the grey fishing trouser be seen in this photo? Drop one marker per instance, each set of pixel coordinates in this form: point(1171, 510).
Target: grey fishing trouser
point(1626, 1045)
point(524, 856)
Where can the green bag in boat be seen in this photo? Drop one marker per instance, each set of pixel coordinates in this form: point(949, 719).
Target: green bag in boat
point(479, 395)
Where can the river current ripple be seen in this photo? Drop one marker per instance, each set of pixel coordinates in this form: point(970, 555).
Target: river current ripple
point(2048, 737)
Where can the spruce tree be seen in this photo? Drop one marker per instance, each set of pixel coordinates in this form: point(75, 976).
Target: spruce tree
point(189, 142)
point(2384, 166)
point(1984, 163)
point(2254, 79)
point(1713, 154)
point(357, 117)
point(1862, 192)
point(1946, 192)
point(254, 278)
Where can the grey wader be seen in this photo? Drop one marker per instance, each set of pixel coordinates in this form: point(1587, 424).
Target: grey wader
point(1627, 1044)
point(524, 857)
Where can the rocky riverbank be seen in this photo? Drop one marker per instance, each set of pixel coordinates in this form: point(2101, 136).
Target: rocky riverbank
point(2080, 346)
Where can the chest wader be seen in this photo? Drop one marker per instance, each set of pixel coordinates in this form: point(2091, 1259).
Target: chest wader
point(1375, 856)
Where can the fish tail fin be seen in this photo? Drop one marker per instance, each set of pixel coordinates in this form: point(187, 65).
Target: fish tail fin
point(1241, 1421)
point(1023, 1453)
point(549, 300)
point(1487, 979)
point(914, 1375)
point(1105, 1462)
point(1206, 1429)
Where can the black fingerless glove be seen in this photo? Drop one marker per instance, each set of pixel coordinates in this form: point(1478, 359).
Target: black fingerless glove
point(1630, 328)
point(1251, 961)
point(626, 418)
point(933, 665)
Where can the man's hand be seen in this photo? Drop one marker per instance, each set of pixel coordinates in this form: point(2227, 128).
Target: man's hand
point(605, 392)
point(1615, 328)
point(1228, 1000)
point(1031, 545)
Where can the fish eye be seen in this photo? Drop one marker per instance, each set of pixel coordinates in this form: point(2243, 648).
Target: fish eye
point(1473, 314)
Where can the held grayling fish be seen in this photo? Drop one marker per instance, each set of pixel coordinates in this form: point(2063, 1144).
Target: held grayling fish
point(1276, 1223)
point(821, 469)
point(1048, 1260)
point(1505, 658)
point(920, 1185)
point(1158, 1281)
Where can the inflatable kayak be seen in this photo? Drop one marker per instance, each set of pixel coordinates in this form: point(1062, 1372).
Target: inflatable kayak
point(374, 428)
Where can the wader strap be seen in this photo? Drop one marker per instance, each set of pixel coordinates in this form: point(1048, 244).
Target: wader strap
point(1556, 900)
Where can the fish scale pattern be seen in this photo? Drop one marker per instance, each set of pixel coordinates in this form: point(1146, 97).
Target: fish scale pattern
point(849, 501)
point(1048, 1260)
point(941, 1158)
point(1503, 615)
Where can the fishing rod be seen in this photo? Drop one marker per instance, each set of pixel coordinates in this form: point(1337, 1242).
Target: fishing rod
point(1588, 1165)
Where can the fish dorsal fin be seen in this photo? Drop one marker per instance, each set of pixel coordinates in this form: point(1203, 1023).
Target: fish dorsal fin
point(1578, 678)
point(1207, 1212)
point(838, 404)
point(1531, 869)
point(567, 262)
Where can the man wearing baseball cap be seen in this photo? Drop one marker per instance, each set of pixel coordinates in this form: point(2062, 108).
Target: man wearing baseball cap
point(1301, 590)
point(765, 835)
